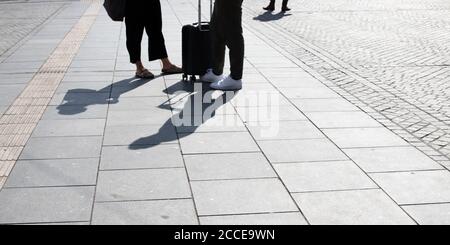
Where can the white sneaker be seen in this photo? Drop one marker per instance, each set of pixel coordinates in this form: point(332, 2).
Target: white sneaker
point(227, 84)
point(210, 77)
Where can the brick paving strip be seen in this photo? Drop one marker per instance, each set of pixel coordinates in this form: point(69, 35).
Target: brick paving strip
point(19, 121)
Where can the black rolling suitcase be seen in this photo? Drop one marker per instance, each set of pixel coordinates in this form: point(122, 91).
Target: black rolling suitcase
point(196, 47)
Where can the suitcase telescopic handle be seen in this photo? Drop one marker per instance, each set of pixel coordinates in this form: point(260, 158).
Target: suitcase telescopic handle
point(200, 12)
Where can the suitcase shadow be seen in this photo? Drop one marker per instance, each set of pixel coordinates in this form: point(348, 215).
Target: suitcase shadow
point(77, 101)
point(192, 107)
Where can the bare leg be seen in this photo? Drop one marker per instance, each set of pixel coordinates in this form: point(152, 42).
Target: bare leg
point(139, 67)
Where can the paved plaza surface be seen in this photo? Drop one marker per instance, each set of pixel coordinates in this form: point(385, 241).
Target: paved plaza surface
point(344, 118)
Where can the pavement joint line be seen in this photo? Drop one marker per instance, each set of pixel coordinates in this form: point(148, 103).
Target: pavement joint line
point(217, 153)
point(233, 179)
point(337, 190)
point(244, 214)
point(424, 204)
point(43, 223)
point(146, 200)
point(49, 76)
point(139, 169)
point(408, 171)
point(44, 187)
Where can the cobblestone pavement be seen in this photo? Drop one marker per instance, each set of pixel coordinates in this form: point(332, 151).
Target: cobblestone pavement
point(390, 57)
point(20, 18)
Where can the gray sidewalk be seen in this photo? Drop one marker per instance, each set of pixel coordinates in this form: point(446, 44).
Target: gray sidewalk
point(83, 142)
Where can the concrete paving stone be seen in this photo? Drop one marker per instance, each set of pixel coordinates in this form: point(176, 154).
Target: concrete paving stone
point(3, 109)
point(104, 77)
point(121, 157)
point(323, 176)
point(217, 123)
point(74, 127)
point(155, 116)
point(263, 87)
point(60, 223)
point(81, 97)
point(228, 166)
point(352, 119)
point(138, 88)
point(279, 151)
point(431, 214)
point(304, 81)
point(324, 105)
point(9, 92)
point(284, 130)
point(364, 137)
point(228, 142)
point(185, 104)
point(169, 212)
point(241, 197)
point(75, 112)
point(54, 204)
point(19, 67)
point(62, 147)
point(139, 103)
point(94, 63)
point(294, 218)
point(274, 113)
point(391, 159)
point(85, 87)
point(422, 187)
point(255, 78)
point(259, 99)
point(134, 185)
point(63, 172)
point(309, 93)
point(15, 78)
point(139, 136)
point(359, 207)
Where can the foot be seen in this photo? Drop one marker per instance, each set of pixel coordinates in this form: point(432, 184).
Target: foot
point(172, 69)
point(285, 9)
point(227, 84)
point(269, 8)
point(144, 74)
point(210, 77)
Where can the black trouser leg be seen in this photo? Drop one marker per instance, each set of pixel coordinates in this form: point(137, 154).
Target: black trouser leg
point(226, 30)
point(156, 43)
point(285, 3)
point(218, 52)
point(134, 31)
point(236, 46)
point(272, 4)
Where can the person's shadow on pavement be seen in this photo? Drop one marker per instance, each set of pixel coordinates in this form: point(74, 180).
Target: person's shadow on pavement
point(197, 106)
point(269, 16)
point(77, 101)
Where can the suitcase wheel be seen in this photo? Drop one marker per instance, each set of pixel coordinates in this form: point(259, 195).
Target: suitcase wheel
point(193, 79)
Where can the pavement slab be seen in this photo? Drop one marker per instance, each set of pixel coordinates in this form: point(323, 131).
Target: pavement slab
point(134, 185)
point(362, 207)
point(241, 197)
point(47, 173)
point(168, 212)
point(56, 204)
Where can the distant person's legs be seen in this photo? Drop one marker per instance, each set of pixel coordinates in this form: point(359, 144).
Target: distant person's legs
point(271, 6)
point(226, 30)
point(285, 8)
